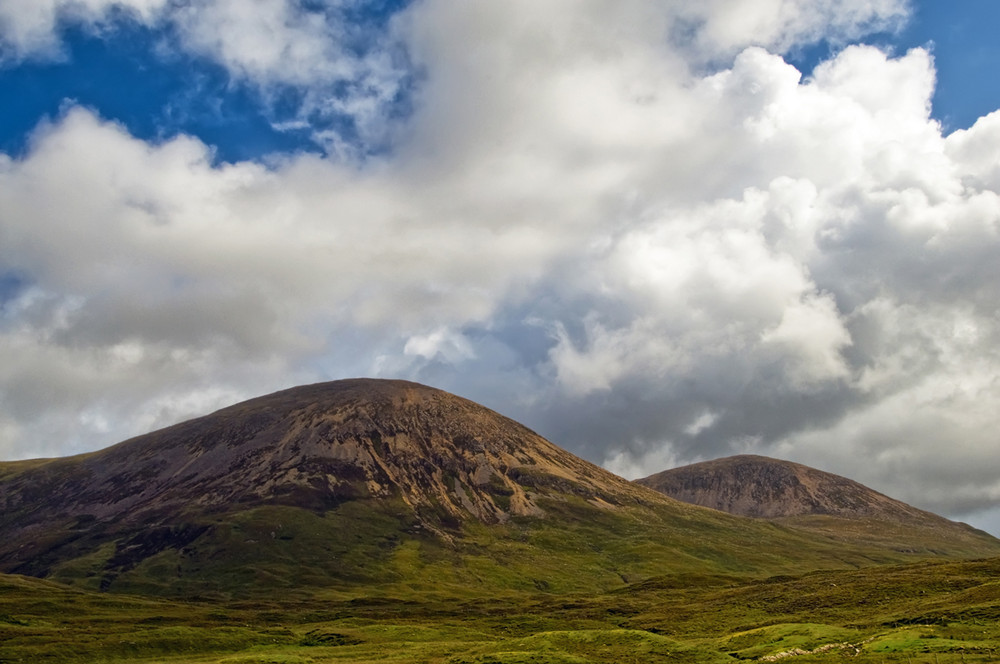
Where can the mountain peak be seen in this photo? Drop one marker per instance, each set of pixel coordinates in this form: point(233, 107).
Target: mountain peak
point(815, 501)
point(445, 458)
point(759, 486)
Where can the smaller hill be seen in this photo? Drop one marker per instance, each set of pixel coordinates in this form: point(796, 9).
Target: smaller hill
point(813, 500)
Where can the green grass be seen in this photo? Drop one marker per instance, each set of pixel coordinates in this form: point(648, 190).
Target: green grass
point(368, 582)
point(942, 612)
point(577, 548)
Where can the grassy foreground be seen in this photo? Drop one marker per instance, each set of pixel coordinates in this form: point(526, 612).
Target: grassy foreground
point(940, 612)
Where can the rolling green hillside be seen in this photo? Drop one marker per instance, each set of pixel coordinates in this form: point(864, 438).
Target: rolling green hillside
point(940, 612)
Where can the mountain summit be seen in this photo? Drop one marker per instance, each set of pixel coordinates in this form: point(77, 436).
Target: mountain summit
point(810, 499)
point(759, 486)
point(316, 447)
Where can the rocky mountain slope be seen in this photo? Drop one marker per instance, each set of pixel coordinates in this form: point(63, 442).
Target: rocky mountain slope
point(807, 498)
point(373, 482)
point(317, 446)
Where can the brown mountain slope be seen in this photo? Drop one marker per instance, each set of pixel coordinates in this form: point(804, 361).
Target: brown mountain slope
point(315, 446)
point(810, 499)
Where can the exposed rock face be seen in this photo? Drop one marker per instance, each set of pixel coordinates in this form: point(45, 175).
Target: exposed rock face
point(318, 446)
point(757, 486)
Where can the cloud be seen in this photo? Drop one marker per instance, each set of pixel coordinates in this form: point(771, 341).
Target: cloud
point(149, 264)
point(633, 226)
point(342, 78)
point(317, 64)
point(311, 65)
point(720, 27)
point(31, 28)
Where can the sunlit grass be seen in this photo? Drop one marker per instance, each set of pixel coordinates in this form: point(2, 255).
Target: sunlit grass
point(943, 612)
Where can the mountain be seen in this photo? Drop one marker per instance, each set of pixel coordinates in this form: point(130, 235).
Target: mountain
point(812, 500)
point(390, 458)
point(758, 486)
point(371, 482)
point(319, 446)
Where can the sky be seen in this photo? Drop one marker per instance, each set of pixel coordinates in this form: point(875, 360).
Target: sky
point(656, 232)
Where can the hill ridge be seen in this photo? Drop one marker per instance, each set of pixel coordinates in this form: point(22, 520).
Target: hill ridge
point(803, 497)
point(759, 486)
